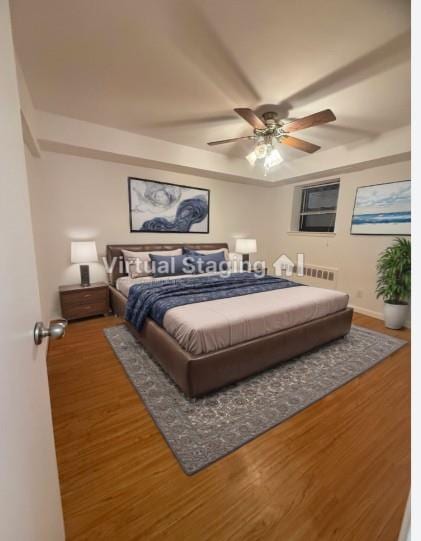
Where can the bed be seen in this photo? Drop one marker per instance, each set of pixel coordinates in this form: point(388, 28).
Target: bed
point(204, 346)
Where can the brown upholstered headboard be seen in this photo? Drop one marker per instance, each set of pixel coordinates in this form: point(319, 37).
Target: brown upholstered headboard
point(115, 255)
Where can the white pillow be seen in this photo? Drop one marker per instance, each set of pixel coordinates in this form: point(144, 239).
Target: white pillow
point(138, 264)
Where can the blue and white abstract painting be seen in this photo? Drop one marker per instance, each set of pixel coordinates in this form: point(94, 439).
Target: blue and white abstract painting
point(157, 207)
point(383, 209)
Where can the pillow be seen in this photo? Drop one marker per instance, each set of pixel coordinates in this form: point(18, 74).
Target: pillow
point(172, 265)
point(214, 262)
point(138, 264)
point(206, 252)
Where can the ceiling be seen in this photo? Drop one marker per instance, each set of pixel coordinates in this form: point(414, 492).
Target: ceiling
point(175, 69)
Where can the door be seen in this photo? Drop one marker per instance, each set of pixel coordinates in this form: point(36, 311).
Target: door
point(30, 506)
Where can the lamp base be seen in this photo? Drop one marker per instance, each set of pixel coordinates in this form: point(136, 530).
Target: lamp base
point(246, 262)
point(84, 276)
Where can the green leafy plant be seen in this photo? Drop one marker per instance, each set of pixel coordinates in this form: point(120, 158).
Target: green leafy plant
point(394, 272)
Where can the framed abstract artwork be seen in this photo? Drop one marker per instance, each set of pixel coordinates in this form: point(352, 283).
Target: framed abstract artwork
point(158, 207)
point(383, 209)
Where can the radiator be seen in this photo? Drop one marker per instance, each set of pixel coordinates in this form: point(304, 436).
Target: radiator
point(318, 276)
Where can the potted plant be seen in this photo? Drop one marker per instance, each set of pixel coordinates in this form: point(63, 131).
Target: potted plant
point(394, 282)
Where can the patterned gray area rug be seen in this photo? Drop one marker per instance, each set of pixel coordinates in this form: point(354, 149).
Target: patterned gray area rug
point(202, 430)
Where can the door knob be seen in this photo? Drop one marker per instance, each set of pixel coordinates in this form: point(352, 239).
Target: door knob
point(55, 330)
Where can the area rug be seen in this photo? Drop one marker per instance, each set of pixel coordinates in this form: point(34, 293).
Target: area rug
point(202, 430)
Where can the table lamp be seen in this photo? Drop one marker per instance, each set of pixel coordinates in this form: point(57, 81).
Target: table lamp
point(84, 252)
point(246, 247)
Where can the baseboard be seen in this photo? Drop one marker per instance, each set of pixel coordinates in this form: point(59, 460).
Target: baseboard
point(367, 312)
point(373, 313)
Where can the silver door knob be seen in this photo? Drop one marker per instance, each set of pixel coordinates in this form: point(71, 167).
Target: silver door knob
point(54, 331)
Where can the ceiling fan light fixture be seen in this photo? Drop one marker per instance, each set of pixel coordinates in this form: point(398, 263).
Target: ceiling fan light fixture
point(267, 153)
point(261, 150)
point(272, 159)
point(251, 158)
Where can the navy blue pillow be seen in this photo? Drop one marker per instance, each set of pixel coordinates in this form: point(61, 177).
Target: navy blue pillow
point(210, 262)
point(190, 251)
point(172, 265)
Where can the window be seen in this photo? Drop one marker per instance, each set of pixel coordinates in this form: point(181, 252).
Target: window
point(318, 208)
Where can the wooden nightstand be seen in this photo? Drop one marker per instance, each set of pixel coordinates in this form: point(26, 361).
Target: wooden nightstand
point(78, 302)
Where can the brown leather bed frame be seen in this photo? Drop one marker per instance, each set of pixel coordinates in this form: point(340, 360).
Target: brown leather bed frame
point(200, 374)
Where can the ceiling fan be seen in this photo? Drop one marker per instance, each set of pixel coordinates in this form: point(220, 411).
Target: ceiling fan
point(271, 128)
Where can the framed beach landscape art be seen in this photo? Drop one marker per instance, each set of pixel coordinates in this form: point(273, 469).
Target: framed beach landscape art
point(158, 207)
point(383, 209)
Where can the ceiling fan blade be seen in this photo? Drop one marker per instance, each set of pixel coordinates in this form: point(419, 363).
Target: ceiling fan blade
point(223, 141)
point(298, 143)
point(312, 120)
point(250, 117)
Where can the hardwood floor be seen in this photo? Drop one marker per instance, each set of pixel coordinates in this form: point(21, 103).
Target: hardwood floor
point(339, 470)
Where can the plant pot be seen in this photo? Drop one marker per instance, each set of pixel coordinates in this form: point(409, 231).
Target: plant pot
point(395, 315)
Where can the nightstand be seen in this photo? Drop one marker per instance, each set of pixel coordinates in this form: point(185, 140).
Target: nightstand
point(78, 302)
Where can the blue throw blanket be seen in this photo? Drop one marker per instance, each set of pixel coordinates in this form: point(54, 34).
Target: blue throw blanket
point(155, 299)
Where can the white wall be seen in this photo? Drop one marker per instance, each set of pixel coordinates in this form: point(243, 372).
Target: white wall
point(76, 198)
point(354, 255)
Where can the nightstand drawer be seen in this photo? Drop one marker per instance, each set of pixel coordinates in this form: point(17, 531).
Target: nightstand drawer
point(84, 310)
point(78, 302)
point(85, 297)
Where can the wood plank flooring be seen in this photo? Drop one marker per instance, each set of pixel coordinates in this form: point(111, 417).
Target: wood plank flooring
point(339, 470)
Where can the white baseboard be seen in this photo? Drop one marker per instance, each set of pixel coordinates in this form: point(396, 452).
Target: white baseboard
point(373, 313)
point(366, 312)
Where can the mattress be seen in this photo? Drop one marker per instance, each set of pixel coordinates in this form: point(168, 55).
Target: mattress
point(209, 326)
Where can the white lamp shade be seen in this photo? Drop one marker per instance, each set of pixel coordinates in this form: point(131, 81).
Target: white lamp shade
point(246, 246)
point(83, 252)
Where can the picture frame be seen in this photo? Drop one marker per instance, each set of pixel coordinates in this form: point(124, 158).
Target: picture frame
point(162, 207)
point(382, 209)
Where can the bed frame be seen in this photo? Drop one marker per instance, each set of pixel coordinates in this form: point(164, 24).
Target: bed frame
point(197, 375)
